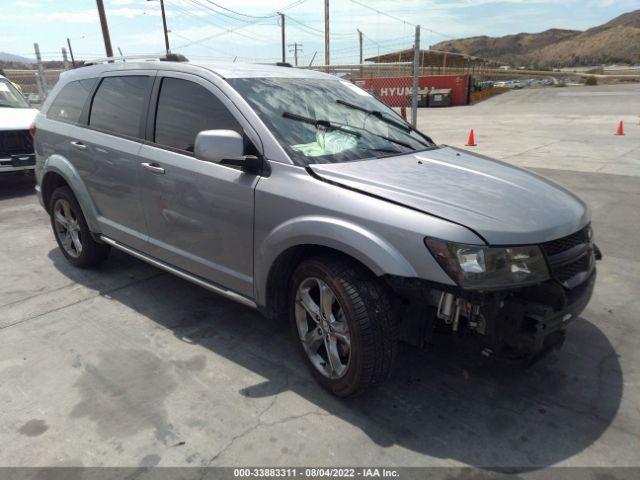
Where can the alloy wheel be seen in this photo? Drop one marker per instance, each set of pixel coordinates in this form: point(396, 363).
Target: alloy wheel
point(323, 328)
point(67, 228)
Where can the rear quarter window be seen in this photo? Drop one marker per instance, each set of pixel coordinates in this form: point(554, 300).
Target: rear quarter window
point(68, 104)
point(119, 104)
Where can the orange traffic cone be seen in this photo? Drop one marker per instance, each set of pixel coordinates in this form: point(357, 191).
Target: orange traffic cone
point(471, 142)
point(620, 129)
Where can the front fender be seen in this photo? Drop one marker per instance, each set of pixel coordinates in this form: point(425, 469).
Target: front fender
point(60, 165)
point(351, 239)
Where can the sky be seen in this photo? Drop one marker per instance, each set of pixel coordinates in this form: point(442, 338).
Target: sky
point(249, 29)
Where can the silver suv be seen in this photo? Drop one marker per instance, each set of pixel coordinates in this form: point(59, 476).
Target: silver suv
point(301, 195)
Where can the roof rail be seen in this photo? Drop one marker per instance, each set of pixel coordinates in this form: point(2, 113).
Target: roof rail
point(168, 57)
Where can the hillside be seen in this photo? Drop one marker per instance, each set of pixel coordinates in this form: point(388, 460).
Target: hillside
point(617, 41)
point(9, 57)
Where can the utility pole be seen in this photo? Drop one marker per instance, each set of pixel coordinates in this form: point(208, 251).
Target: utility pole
point(416, 66)
point(327, 55)
point(296, 47)
point(360, 42)
point(284, 53)
point(73, 62)
point(65, 60)
point(105, 29)
point(164, 26)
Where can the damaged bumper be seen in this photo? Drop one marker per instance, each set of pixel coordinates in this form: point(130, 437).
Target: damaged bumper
point(516, 325)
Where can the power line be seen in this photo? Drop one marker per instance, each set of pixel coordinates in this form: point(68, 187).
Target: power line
point(190, 40)
point(400, 19)
point(207, 7)
point(382, 13)
point(210, 22)
point(240, 13)
point(217, 34)
point(318, 30)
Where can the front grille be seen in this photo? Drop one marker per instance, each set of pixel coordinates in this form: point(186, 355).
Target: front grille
point(570, 257)
point(568, 271)
point(15, 142)
point(565, 243)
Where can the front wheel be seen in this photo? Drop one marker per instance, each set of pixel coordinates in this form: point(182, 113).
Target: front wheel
point(341, 315)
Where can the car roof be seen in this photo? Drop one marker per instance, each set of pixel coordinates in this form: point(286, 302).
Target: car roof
point(222, 69)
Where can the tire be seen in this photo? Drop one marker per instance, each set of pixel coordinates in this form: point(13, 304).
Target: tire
point(75, 239)
point(367, 349)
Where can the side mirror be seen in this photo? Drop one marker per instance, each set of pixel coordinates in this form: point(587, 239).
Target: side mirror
point(217, 145)
point(226, 147)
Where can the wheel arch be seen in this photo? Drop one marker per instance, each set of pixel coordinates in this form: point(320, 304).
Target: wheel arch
point(59, 172)
point(297, 239)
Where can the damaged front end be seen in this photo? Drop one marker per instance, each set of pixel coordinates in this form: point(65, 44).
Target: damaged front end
point(514, 302)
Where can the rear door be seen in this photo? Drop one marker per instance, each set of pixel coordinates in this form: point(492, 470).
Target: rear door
point(199, 214)
point(105, 152)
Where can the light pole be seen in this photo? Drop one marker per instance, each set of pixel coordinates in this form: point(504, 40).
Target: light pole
point(164, 27)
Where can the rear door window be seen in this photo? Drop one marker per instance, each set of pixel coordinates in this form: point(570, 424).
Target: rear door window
point(184, 110)
point(119, 104)
point(69, 103)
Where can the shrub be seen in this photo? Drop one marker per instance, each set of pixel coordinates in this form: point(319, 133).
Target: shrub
point(591, 80)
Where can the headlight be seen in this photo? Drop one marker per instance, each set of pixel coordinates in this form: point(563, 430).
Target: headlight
point(478, 267)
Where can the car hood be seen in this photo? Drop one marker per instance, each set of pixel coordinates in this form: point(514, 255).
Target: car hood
point(503, 204)
point(16, 118)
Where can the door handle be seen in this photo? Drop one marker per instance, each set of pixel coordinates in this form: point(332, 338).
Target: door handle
point(153, 167)
point(78, 145)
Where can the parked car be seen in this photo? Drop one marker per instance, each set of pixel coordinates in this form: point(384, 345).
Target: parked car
point(16, 118)
point(301, 195)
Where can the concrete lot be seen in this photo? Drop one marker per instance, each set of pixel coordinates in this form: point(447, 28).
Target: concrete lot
point(130, 366)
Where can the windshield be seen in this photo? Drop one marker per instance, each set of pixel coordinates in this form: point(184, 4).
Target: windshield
point(328, 121)
point(10, 96)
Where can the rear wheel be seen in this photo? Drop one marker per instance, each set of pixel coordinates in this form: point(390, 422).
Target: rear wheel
point(341, 316)
point(72, 233)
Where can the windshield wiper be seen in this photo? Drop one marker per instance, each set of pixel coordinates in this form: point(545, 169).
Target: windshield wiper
point(319, 123)
point(406, 129)
point(376, 113)
point(388, 139)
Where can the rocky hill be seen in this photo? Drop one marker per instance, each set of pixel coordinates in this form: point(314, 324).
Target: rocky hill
point(617, 41)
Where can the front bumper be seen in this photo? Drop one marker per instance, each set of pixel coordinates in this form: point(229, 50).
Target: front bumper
point(519, 324)
point(538, 324)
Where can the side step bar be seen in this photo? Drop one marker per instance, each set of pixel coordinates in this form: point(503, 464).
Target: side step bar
point(184, 275)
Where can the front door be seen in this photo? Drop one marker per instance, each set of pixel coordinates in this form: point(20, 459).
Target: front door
point(199, 214)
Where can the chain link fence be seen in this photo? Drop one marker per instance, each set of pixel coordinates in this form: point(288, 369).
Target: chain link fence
point(34, 86)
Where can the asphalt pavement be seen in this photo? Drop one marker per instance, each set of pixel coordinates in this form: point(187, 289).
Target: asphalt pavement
point(130, 366)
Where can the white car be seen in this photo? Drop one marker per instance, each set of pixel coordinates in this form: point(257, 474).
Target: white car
point(16, 121)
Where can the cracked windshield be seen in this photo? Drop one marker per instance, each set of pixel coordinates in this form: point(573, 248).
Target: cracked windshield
point(328, 121)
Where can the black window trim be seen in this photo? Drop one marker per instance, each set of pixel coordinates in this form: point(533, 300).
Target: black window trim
point(86, 113)
point(211, 88)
